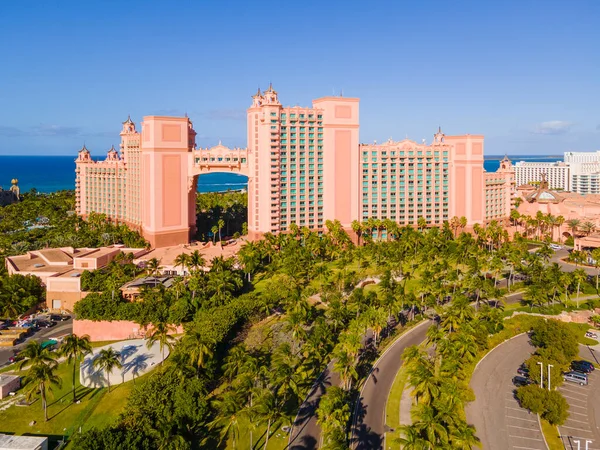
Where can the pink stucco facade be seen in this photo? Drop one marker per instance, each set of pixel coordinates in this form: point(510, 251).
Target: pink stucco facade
point(305, 165)
point(113, 330)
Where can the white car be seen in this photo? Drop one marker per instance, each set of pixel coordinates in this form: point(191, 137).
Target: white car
point(555, 247)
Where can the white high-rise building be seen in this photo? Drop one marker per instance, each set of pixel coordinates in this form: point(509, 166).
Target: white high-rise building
point(578, 172)
point(557, 174)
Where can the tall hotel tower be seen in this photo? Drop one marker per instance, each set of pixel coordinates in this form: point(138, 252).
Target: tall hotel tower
point(304, 166)
point(303, 163)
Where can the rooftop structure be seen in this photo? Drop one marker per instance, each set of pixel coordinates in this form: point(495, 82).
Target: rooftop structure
point(11, 442)
point(305, 166)
point(8, 384)
point(60, 269)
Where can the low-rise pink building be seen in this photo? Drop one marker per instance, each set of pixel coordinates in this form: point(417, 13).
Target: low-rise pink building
point(60, 270)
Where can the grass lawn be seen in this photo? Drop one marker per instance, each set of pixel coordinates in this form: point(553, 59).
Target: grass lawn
point(392, 408)
point(552, 437)
point(277, 441)
point(96, 408)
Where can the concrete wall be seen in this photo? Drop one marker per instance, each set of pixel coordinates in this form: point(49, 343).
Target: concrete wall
point(112, 330)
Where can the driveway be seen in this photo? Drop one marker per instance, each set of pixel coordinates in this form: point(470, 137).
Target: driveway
point(368, 428)
point(584, 409)
point(499, 421)
point(306, 433)
point(61, 329)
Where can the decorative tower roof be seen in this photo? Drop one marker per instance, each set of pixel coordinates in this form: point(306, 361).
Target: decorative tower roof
point(258, 94)
point(438, 138)
point(112, 154)
point(270, 96)
point(128, 126)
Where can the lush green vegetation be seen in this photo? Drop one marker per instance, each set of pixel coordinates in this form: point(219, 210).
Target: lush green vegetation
point(234, 379)
point(557, 344)
point(49, 220)
point(19, 293)
point(221, 214)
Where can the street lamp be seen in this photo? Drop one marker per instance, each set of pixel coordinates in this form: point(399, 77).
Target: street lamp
point(549, 365)
point(541, 364)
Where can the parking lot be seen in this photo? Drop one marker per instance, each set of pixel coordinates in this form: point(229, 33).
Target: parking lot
point(522, 426)
point(581, 426)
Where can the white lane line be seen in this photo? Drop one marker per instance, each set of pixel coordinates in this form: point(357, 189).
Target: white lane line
point(517, 409)
point(525, 448)
point(573, 428)
point(522, 428)
point(577, 406)
point(579, 414)
point(524, 437)
point(575, 399)
point(570, 419)
point(521, 418)
point(570, 391)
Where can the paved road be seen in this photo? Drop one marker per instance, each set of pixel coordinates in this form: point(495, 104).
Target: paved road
point(60, 329)
point(584, 409)
point(306, 433)
point(499, 420)
point(368, 428)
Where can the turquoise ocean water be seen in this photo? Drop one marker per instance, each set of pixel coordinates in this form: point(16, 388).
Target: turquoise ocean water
point(54, 173)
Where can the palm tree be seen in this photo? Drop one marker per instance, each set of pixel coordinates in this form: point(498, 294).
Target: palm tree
point(357, 228)
point(462, 437)
point(228, 409)
point(107, 360)
point(559, 223)
point(588, 227)
point(196, 261)
point(40, 378)
point(161, 333)
point(34, 354)
point(74, 348)
point(345, 365)
point(411, 438)
point(198, 348)
point(579, 275)
point(573, 224)
point(268, 410)
point(221, 224)
point(214, 230)
point(183, 261)
point(153, 267)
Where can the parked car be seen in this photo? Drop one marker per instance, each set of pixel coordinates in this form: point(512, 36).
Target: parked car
point(576, 377)
point(582, 366)
point(521, 381)
point(59, 318)
point(555, 247)
point(524, 371)
point(589, 334)
point(46, 323)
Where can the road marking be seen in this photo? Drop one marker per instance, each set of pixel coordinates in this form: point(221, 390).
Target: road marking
point(518, 409)
point(578, 429)
point(579, 414)
point(577, 406)
point(570, 419)
point(521, 418)
point(522, 428)
point(524, 437)
point(525, 448)
point(576, 399)
point(575, 391)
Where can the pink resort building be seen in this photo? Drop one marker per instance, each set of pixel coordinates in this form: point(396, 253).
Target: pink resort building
point(305, 165)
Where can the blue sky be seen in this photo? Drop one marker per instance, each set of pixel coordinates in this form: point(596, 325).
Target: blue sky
point(524, 73)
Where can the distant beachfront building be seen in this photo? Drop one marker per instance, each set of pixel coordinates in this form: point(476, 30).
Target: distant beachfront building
point(305, 165)
point(12, 195)
point(557, 173)
point(578, 172)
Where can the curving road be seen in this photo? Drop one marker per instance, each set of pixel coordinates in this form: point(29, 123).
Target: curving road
point(498, 419)
point(368, 428)
point(306, 433)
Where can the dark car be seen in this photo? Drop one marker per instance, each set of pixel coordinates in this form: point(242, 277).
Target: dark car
point(46, 323)
point(521, 381)
point(523, 371)
point(582, 366)
point(58, 318)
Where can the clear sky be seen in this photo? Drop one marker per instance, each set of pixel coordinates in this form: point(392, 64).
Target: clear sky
point(524, 73)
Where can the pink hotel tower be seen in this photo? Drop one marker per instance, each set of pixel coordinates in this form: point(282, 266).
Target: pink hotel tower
point(304, 166)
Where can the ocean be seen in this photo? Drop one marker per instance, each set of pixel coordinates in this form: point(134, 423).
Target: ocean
point(55, 173)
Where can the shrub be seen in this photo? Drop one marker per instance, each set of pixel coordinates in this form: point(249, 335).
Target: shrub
point(557, 408)
point(532, 397)
point(557, 335)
